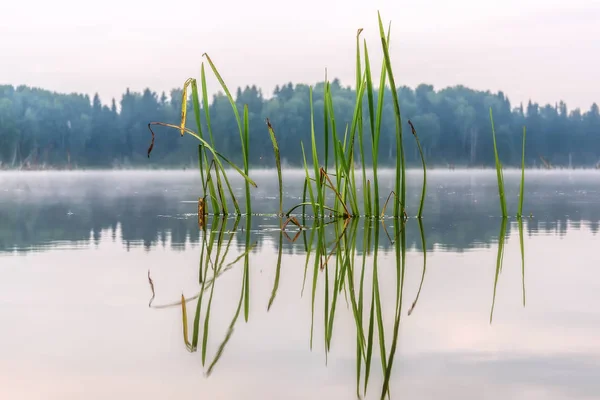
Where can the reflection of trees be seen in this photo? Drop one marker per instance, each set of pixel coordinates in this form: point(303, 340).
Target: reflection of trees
point(149, 220)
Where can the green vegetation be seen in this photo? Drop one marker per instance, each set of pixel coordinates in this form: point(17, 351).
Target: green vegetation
point(39, 127)
point(336, 263)
point(522, 187)
point(424, 189)
point(345, 189)
point(499, 172)
point(499, 260)
point(339, 269)
point(333, 192)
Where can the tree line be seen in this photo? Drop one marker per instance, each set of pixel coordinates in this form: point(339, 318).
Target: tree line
point(43, 128)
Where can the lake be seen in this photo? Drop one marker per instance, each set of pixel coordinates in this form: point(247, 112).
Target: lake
point(80, 319)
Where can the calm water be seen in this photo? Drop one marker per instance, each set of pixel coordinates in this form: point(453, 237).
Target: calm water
point(76, 250)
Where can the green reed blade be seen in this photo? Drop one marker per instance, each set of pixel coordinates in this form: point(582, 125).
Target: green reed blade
point(424, 245)
point(358, 66)
point(369, 343)
point(361, 307)
point(498, 170)
point(207, 318)
point(342, 262)
point(208, 181)
point(370, 100)
point(326, 311)
point(206, 105)
point(339, 197)
point(349, 267)
point(232, 234)
point(400, 162)
point(357, 122)
point(220, 237)
point(229, 332)
point(344, 189)
point(414, 132)
point(277, 270)
point(358, 368)
point(209, 247)
point(222, 200)
point(369, 350)
point(195, 336)
point(336, 287)
point(308, 253)
point(328, 107)
point(314, 283)
point(499, 259)
point(221, 192)
point(277, 164)
point(376, 126)
point(520, 212)
point(378, 308)
point(196, 332)
point(244, 131)
point(520, 222)
point(309, 185)
point(400, 269)
point(374, 145)
point(369, 205)
point(242, 296)
point(196, 103)
point(325, 123)
point(247, 269)
point(304, 190)
point(359, 97)
point(330, 111)
point(320, 196)
point(230, 189)
point(246, 149)
point(231, 101)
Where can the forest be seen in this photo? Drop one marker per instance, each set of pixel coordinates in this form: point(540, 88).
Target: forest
point(44, 129)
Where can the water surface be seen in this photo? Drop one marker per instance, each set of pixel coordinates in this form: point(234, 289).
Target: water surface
point(76, 249)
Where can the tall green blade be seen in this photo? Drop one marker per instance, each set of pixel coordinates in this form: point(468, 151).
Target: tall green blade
point(246, 149)
point(522, 245)
point(400, 162)
point(499, 259)
point(315, 158)
point(366, 200)
point(424, 189)
point(205, 104)
point(498, 170)
point(520, 212)
point(277, 270)
point(277, 164)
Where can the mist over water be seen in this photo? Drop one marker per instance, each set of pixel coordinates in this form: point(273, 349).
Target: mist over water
point(76, 249)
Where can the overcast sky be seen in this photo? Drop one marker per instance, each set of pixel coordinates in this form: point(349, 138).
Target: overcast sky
point(545, 50)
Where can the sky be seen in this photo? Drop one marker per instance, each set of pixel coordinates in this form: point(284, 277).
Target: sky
point(544, 50)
